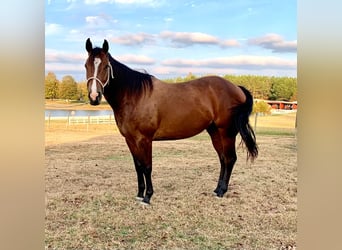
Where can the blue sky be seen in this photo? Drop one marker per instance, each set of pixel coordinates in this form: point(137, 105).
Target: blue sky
point(172, 38)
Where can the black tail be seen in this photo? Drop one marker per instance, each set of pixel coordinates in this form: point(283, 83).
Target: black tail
point(241, 118)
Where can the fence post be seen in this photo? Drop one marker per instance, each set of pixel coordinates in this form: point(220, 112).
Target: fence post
point(49, 119)
point(68, 121)
point(255, 120)
point(88, 122)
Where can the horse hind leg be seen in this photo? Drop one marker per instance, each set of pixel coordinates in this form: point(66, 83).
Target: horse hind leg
point(217, 144)
point(228, 161)
point(225, 148)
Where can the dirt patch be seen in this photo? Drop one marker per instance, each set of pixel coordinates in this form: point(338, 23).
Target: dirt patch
point(91, 187)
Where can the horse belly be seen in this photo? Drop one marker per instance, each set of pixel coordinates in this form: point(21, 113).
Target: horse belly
point(180, 126)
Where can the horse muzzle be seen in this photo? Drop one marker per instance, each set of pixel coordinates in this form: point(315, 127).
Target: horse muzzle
point(95, 98)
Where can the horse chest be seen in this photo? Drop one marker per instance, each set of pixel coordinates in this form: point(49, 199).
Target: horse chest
point(135, 123)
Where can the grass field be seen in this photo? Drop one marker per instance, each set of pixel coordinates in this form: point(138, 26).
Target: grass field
point(91, 186)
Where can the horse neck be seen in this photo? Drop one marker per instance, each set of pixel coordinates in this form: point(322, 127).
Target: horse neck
point(115, 91)
point(114, 94)
point(127, 86)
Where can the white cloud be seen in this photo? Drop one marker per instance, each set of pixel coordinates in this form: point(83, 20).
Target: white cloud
point(184, 39)
point(274, 42)
point(53, 29)
point(133, 39)
point(55, 56)
point(152, 3)
point(67, 62)
point(188, 38)
point(136, 59)
point(243, 61)
point(177, 39)
point(230, 43)
point(102, 21)
point(97, 1)
point(91, 19)
point(168, 19)
point(65, 68)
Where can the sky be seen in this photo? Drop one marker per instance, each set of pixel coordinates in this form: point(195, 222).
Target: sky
point(172, 38)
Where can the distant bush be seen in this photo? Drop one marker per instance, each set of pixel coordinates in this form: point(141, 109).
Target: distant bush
point(262, 107)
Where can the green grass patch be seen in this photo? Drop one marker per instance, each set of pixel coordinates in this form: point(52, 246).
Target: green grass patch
point(276, 131)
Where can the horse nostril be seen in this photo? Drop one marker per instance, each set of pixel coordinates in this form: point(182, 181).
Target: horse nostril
point(99, 97)
point(94, 95)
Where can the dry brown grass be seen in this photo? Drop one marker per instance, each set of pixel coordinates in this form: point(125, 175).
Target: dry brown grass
point(91, 186)
point(58, 131)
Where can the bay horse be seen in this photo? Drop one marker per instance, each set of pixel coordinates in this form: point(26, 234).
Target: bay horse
point(147, 109)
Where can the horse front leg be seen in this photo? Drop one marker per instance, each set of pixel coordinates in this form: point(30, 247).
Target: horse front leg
point(220, 179)
point(141, 181)
point(141, 150)
point(149, 185)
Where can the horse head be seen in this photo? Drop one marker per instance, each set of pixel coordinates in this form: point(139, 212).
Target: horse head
point(98, 71)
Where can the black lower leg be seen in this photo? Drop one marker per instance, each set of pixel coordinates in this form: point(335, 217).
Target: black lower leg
point(223, 183)
point(141, 180)
point(149, 186)
point(221, 175)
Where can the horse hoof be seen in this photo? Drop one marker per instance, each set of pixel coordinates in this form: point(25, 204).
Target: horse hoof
point(219, 195)
point(139, 198)
point(144, 203)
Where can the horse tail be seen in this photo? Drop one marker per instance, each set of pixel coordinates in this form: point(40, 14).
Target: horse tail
point(241, 119)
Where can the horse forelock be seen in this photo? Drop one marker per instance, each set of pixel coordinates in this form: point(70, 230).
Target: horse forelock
point(96, 52)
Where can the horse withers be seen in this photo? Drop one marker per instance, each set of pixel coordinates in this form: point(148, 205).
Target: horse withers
point(147, 109)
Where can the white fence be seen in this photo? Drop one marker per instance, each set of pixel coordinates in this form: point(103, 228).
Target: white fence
point(108, 119)
point(74, 120)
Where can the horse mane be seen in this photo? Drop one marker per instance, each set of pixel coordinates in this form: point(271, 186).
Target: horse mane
point(133, 82)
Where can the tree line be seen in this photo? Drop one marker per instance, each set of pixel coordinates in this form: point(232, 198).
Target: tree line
point(67, 88)
point(261, 87)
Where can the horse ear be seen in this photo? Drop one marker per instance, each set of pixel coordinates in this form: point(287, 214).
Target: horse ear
point(89, 46)
point(105, 46)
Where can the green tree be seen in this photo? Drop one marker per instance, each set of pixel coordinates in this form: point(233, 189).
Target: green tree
point(189, 77)
point(263, 86)
point(51, 86)
point(260, 107)
point(294, 95)
point(68, 88)
point(283, 88)
point(259, 86)
point(82, 91)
